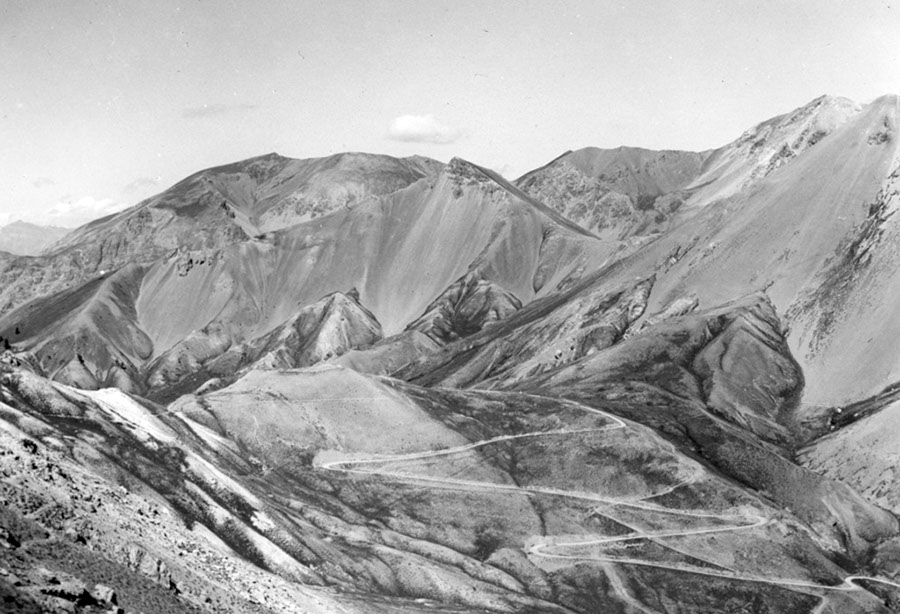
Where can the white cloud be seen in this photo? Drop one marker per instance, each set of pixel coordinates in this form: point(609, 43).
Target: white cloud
point(43, 182)
point(70, 213)
point(422, 129)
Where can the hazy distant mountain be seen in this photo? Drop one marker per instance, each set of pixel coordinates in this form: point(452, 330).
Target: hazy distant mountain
point(635, 381)
point(24, 239)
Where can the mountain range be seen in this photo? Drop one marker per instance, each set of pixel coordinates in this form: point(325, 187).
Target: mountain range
point(24, 239)
point(629, 381)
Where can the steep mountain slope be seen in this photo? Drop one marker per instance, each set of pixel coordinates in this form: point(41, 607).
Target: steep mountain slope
point(210, 210)
point(400, 252)
point(87, 336)
point(862, 454)
point(768, 146)
point(632, 193)
point(24, 239)
point(251, 195)
point(104, 488)
point(693, 377)
point(810, 234)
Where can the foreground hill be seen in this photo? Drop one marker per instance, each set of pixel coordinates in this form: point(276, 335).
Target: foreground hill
point(620, 479)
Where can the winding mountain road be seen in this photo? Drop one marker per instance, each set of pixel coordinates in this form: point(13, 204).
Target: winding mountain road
point(556, 550)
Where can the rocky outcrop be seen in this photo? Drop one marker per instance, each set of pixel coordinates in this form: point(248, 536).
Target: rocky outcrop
point(770, 145)
point(558, 332)
point(467, 306)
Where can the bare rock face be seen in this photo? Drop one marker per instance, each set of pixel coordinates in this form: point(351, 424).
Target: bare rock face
point(558, 332)
point(467, 306)
point(199, 309)
point(768, 146)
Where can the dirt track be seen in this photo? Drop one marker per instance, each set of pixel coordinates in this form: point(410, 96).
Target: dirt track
point(552, 550)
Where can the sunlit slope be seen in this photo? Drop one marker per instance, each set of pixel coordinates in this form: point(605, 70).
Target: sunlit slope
point(863, 455)
point(257, 194)
point(211, 357)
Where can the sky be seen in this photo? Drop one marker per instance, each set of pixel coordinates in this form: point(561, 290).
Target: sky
point(103, 103)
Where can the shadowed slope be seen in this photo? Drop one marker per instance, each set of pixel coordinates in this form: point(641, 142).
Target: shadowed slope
point(328, 328)
point(675, 377)
point(546, 334)
point(721, 383)
point(88, 336)
point(467, 306)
